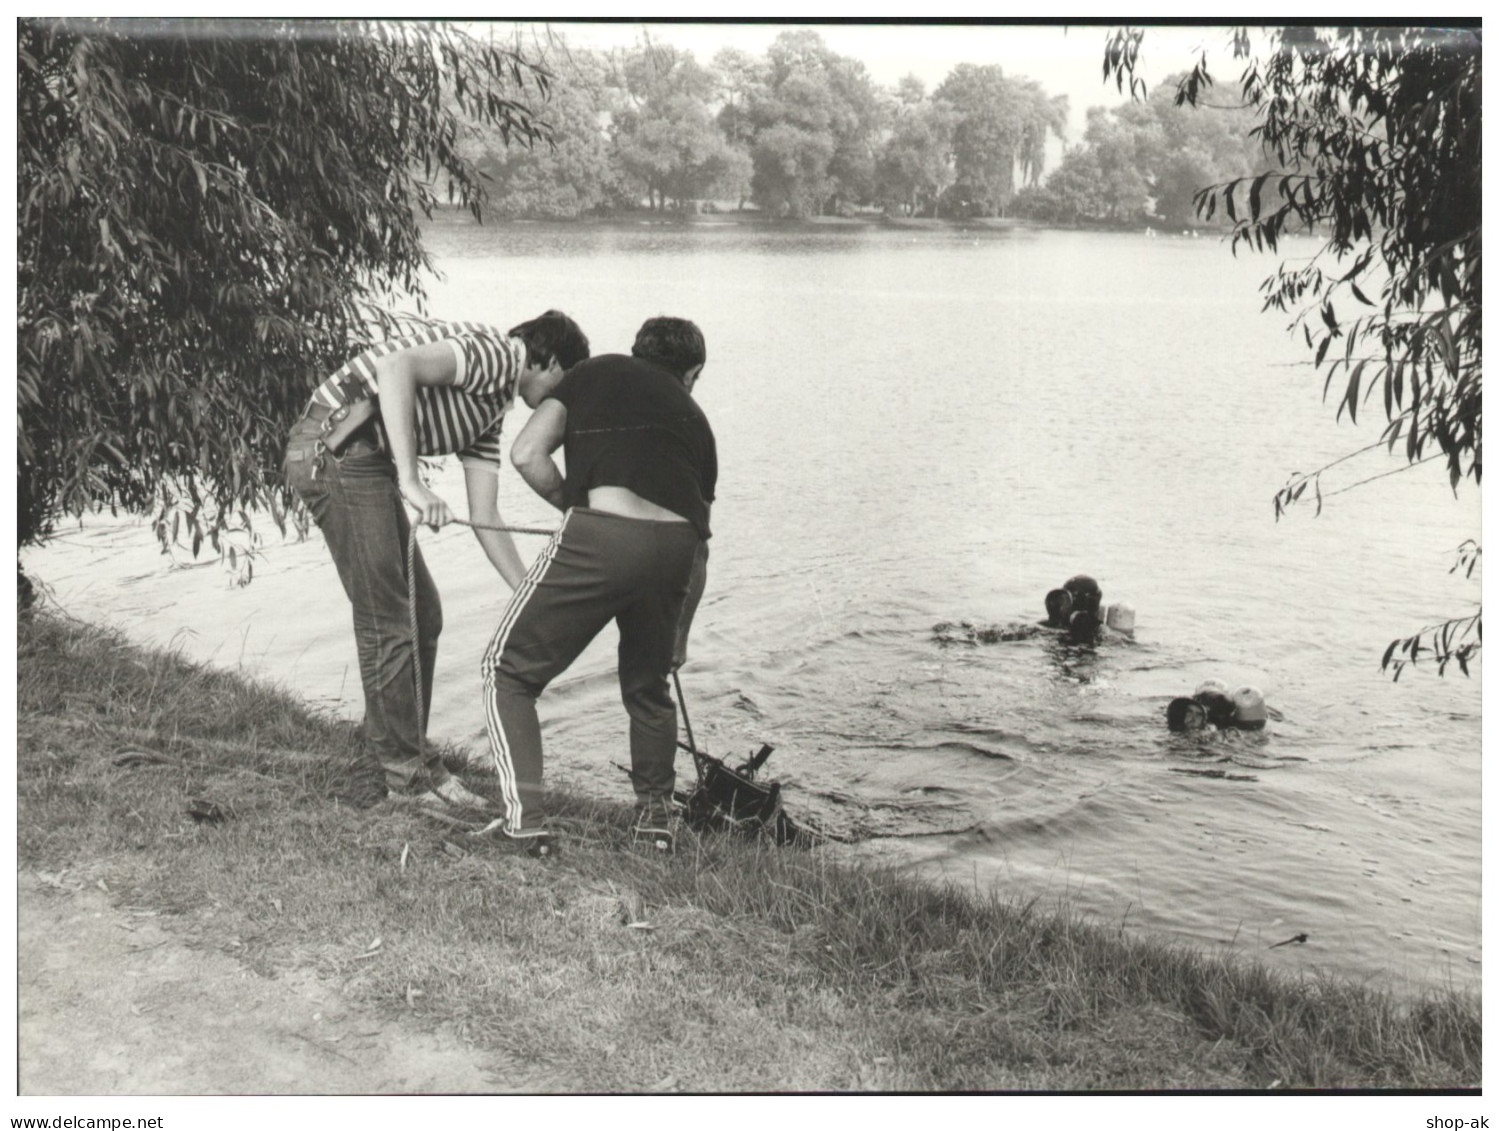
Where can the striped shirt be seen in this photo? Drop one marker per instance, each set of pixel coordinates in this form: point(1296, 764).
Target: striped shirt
point(464, 417)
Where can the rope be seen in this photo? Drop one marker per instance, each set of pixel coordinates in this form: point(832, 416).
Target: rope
point(416, 638)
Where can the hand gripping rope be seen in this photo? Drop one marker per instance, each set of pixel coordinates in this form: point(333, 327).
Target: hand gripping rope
point(416, 640)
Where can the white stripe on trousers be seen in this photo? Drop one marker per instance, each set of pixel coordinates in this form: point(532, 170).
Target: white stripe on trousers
point(504, 764)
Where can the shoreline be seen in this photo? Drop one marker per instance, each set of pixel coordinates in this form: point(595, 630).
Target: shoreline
point(753, 218)
point(731, 953)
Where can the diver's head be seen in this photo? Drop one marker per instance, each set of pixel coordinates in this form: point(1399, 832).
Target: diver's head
point(1058, 608)
point(1220, 707)
point(1084, 592)
point(1249, 708)
point(1186, 715)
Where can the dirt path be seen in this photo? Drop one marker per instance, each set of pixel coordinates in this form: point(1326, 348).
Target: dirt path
point(109, 1003)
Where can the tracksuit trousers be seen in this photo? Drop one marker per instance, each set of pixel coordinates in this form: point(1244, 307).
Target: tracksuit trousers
point(598, 567)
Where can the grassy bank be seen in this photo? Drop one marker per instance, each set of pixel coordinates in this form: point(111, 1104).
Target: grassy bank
point(731, 967)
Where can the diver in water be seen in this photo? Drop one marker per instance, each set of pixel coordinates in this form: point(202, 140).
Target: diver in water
point(1213, 704)
point(1074, 613)
point(1215, 699)
point(1089, 625)
point(1186, 716)
point(1058, 611)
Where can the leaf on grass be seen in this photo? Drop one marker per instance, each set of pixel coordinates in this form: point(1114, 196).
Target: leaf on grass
point(130, 758)
point(206, 811)
point(641, 926)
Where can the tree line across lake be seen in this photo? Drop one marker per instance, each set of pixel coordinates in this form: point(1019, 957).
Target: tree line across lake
point(803, 131)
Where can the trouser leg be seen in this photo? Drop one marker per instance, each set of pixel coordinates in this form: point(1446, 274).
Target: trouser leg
point(429, 622)
point(647, 632)
point(560, 606)
point(358, 507)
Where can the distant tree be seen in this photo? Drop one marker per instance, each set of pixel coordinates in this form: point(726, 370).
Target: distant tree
point(1182, 149)
point(986, 134)
point(1000, 125)
point(1150, 158)
point(674, 149)
point(1375, 138)
point(738, 77)
point(814, 122)
point(914, 167)
point(210, 212)
point(570, 177)
point(1073, 194)
point(857, 118)
point(790, 169)
point(1123, 155)
point(910, 91)
point(1041, 115)
point(665, 134)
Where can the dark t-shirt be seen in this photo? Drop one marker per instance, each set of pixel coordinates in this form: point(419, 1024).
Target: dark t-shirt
point(631, 424)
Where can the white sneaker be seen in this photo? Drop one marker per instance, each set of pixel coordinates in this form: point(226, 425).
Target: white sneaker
point(454, 792)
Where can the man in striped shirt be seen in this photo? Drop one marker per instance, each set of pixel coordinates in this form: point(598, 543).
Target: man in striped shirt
point(442, 389)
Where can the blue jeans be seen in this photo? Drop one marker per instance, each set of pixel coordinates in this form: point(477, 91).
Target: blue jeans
point(355, 502)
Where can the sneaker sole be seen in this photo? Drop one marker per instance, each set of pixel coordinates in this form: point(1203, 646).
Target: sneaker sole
point(539, 846)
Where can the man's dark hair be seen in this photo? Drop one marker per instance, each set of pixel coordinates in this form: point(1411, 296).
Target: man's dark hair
point(553, 335)
point(673, 343)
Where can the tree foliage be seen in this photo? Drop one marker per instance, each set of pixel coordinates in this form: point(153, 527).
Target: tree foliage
point(801, 130)
point(1144, 162)
point(665, 136)
point(1375, 139)
point(914, 169)
point(571, 176)
point(813, 124)
point(209, 214)
point(999, 128)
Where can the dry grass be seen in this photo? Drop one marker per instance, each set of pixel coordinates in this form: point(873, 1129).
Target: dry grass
point(731, 967)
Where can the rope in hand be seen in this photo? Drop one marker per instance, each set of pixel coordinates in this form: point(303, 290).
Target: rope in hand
point(416, 639)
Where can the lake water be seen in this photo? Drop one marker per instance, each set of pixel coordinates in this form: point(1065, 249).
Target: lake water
point(918, 427)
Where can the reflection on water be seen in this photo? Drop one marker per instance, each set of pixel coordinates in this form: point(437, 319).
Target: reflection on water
point(925, 428)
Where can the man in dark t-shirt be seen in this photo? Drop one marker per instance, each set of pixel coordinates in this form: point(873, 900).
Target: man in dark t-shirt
point(641, 472)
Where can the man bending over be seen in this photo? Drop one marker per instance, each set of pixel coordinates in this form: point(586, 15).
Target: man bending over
point(641, 471)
